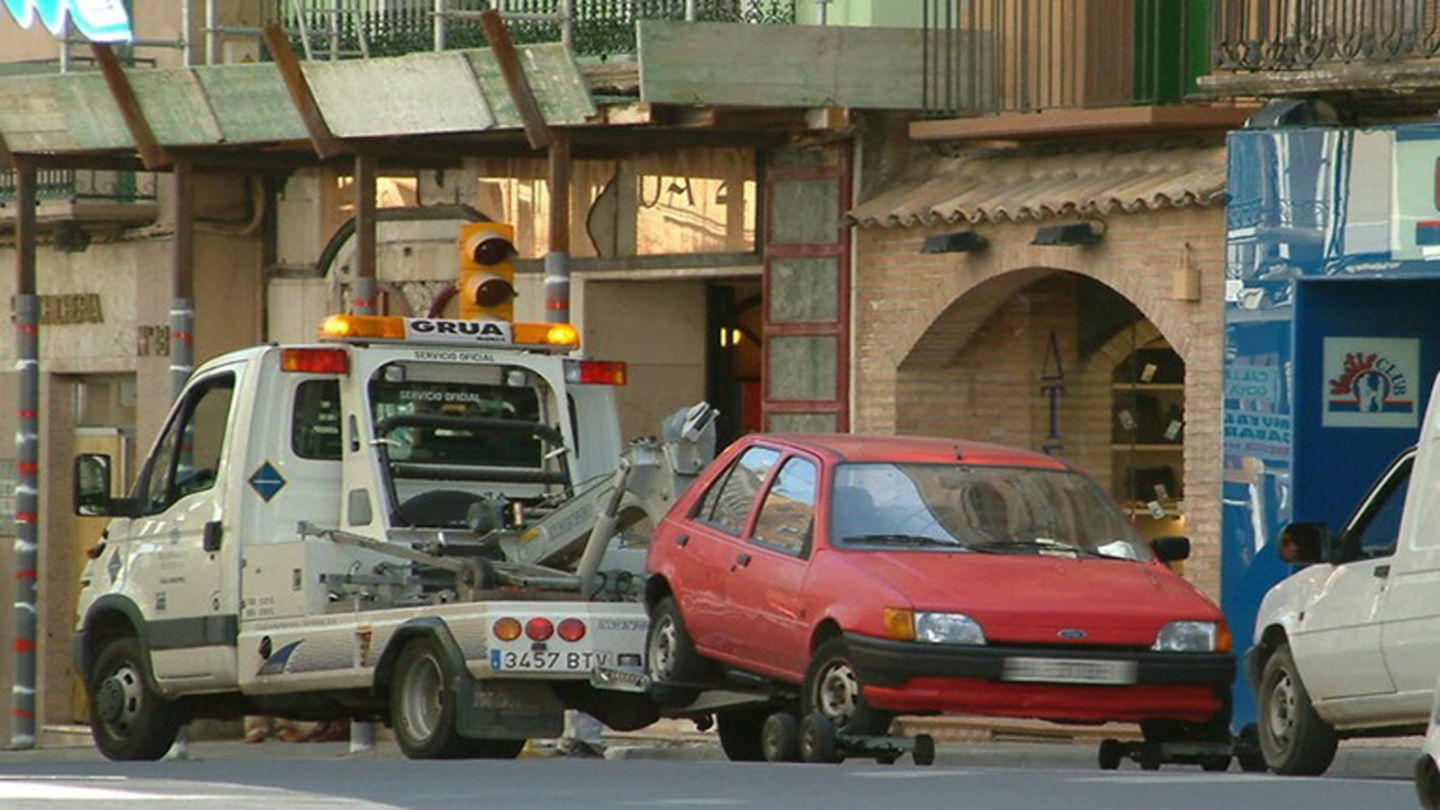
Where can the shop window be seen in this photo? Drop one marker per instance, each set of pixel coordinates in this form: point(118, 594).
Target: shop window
point(1147, 435)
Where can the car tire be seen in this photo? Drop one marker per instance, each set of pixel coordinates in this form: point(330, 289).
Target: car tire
point(742, 734)
point(128, 719)
point(924, 751)
point(1110, 753)
point(832, 688)
point(670, 655)
point(422, 704)
point(1293, 738)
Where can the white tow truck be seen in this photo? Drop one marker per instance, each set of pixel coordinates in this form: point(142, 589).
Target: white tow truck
point(425, 522)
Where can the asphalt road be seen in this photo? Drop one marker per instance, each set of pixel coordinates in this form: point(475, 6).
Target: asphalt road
point(219, 776)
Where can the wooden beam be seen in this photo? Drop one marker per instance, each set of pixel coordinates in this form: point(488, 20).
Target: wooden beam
point(321, 138)
point(509, 61)
point(1075, 122)
point(7, 160)
point(151, 152)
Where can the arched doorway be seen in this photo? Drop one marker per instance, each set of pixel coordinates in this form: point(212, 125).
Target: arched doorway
point(1057, 361)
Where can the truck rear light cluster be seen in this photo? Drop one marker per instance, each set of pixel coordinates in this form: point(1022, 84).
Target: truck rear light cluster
point(595, 372)
point(538, 628)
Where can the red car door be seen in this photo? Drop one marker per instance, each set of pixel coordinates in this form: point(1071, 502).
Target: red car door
point(766, 580)
point(712, 541)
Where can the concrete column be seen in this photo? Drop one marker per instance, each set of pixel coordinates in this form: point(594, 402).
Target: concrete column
point(27, 460)
point(557, 260)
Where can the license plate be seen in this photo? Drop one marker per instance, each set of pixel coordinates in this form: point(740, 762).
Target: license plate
point(1068, 670)
point(548, 660)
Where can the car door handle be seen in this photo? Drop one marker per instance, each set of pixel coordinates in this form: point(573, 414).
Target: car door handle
point(741, 561)
point(212, 536)
point(1381, 571)
point(682, 539)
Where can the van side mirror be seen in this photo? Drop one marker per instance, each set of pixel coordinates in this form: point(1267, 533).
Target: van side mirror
point(90, 481)
point(1304, 543)
point(1171, 548)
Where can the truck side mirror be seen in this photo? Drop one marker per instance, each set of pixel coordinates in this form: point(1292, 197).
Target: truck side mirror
point(90, 481)
point(1304, 543)
point(1171, 549)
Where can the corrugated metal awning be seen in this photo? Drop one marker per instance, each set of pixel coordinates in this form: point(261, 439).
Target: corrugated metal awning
point(1017, 185)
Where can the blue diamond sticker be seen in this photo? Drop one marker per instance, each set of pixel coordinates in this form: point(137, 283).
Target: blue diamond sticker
point(267, 481)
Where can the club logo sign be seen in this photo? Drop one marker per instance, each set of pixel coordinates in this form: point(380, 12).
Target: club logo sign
point(1370, 382)
point(98, 20)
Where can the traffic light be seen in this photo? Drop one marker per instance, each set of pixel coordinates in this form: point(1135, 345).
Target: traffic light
point(487, 276)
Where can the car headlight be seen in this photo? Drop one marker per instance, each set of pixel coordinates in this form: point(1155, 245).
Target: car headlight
point(1191, 637)
point(948, 628)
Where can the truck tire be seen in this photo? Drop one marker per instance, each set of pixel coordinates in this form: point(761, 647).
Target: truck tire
point(422, 703)
point(742, 734)
point(128, 720)
point(832, 688)
point(670, 655)
point(1293, 738)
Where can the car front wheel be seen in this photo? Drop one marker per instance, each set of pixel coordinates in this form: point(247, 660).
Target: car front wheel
point(833, 689)
point(1293, 738)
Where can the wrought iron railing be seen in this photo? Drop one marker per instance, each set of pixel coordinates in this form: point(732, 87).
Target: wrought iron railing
point(1026, 55)
point(85, 185)
point(1300, 34)
point(596, 27)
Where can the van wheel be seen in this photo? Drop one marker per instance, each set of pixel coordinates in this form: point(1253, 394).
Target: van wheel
point(670, 655)
point(422, 704)
point(127, 718)
point(1293, 738)
point(832, 688)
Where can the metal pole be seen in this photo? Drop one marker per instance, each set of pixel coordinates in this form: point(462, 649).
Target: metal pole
point(27, 458)
point(557, 261)
point(440, 23)
point(187, 51)
point(212, 32)
point(362, 288)
point(182, 281)
point(567, 23)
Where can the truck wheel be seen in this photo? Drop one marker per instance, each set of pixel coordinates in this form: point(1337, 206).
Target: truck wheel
point(742, 734)
point(127, 718)
point(780, 738)
point(669, 653)
point(818, 740)
point(833, 689)
point(422, 704)
point(1293, 738)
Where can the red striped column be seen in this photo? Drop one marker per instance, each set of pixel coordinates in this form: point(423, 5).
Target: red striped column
point(27, 465)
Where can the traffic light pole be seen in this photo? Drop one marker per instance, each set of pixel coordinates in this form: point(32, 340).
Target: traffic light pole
point(557, 261)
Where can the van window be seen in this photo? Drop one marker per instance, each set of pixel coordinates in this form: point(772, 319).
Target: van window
point(1375, 532)
point(315, 420)
point(488, 408)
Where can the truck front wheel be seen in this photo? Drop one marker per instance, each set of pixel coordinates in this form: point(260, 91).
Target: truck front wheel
point(422, 703)
point(1293, 738)
point(127, 718)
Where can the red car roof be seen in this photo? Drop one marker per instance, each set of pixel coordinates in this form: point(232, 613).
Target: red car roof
point(931, 449)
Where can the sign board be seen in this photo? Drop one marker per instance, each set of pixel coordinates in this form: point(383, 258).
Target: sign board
point(98, 20)
point(1371, 382)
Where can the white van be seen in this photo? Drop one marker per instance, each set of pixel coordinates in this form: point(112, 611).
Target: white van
point(1350, 645)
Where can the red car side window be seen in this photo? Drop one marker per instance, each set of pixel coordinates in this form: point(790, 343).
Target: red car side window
point(728, 501)
point(787, 517)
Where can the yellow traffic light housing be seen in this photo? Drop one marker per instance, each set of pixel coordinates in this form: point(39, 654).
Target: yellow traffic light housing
point(487, 273)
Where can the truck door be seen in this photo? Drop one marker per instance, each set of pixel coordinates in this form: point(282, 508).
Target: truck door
point(1340, 635)
point(174, 545)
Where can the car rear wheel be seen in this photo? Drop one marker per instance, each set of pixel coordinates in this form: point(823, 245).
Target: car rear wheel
point(833, 689)
point(670, 655)
point(1293, 738)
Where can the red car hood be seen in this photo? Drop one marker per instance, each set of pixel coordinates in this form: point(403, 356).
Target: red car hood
point(1029, 599)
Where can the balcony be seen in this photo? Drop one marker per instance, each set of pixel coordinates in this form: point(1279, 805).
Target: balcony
point(600, 28)
point(121, 197)
point(1046, 68)
point(1378, 53)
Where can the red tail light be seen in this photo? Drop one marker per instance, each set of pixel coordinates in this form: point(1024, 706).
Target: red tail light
point(539, 629)
point(315, 361)
point(595, 372)
point(571, 630)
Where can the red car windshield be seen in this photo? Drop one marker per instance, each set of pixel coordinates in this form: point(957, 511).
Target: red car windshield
point(953, 506)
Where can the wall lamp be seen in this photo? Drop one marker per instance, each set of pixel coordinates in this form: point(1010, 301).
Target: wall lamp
point(957, 242)
point(1069, 234)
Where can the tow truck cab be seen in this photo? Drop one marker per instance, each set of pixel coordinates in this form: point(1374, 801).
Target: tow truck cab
point(414, 435)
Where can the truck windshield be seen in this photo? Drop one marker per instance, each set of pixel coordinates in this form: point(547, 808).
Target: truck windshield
point(460, 423)
point(990, 509)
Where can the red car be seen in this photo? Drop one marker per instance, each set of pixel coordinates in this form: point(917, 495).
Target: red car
point(866, 576)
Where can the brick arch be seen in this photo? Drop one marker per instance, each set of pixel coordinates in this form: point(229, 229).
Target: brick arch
point(943, 324)
point(1120, 345)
